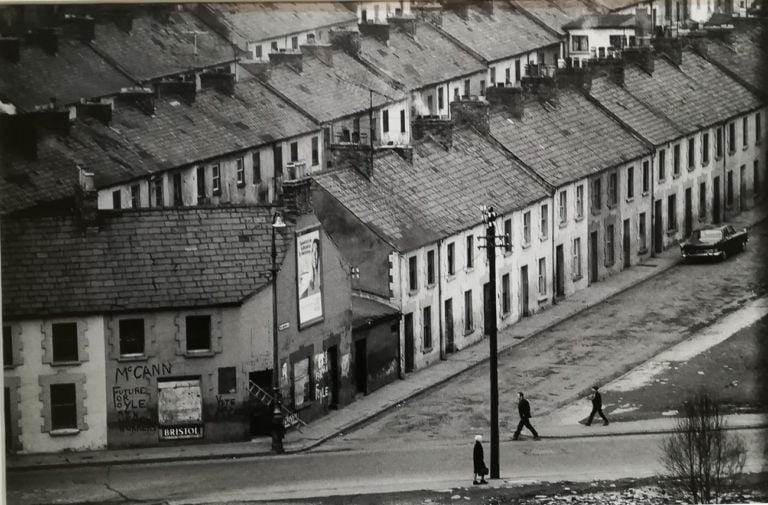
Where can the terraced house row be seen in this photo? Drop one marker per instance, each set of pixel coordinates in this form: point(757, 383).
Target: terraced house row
point(143, 197)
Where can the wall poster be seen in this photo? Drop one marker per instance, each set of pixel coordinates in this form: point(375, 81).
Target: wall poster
point(309, 277)
point(180, 409)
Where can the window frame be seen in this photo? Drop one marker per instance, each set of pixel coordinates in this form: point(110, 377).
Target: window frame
point(426, 325)
point(385, 121)
point(469, 324)
point(662, 164)
point(576, 258)
point(703, 200)
point(216, 179)
point(630, 182)
point(191, 329)
point(544, 221)
point(691, 153)
point(240, 171)
point(676, 160)
point(646, 177)
point(508, 235)
point(527, 227)
point(672, 212)
point(451, 258)
point(579, 201)
point(470, 242)
point(542, 282)
point(563, 206)
point(73, 404)
point(315, 143)
point(57, 342)
point(506, 299)
point(705, 148)
point(117, 199)
point(431, 267)
point(413, 273)
point(138, 322)
point(610, 245)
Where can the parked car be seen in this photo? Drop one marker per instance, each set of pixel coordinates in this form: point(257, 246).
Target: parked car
point(714, 241)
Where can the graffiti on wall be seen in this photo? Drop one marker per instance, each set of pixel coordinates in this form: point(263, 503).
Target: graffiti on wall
point(226, 407)
point(345, 365)
point(139, 372)
point(322, 391)
point(132, 396)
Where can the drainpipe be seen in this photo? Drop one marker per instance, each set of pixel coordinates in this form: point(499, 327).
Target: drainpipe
point(653, 203)
point(725, 170)
point(554, 261)
point(440, 298)
point(401, 336)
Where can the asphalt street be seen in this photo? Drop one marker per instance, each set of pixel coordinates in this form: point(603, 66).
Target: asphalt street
point(432, 466)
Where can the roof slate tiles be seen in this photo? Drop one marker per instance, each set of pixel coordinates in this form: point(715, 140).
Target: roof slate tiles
point(427, 58)
point(556, 13)
point(331, 92)
point(137, 260)
point(169, 39)
point(566, 142)
point(491, 36)
point(602, 21)
point(75, 72)
point(744, 54)
point(263, 21)
point(411, 205)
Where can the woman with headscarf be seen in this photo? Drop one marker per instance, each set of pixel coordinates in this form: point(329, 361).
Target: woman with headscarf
point(479, 461)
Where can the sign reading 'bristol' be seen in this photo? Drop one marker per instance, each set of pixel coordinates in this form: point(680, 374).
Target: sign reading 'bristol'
point(181, 432)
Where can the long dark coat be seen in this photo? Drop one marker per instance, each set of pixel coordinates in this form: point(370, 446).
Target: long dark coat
point(597, 401)
point(478, 458)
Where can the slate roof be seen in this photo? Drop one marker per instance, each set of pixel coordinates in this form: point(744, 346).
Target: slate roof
point(261, 21)
point(411, 205)
point(556, 13)
point(566, 142)
point(744, 55)
point(160, 45)
point(428, 58)
point(366, 311)
point(137, 260)
point(602, 21)
point(648, 122)
point(694, 96)
point(75, 72)
point(506, 33)
point(331, 92)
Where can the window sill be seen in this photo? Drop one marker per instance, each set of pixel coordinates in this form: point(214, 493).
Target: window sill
point(543, 299)
point(426, 350)
point(543, 238)
point(611, 206)
point(450, 277)
point(217, 193)
point(563, 224)
point(468, 331)
point(731, 152)
point(10, 367)
point(506, 314)
point(676, 176)
point(132, 357)
point(579, 218)
point(577, 278)
point(704, 164)
point(672, 232)
point(412, 292)
point(65, 363)
point(630, 199)
point(527, 245)
point(645, 193)
point(691, 169)
point(642, 251)
point(469, 270)
point(718, 158)
point(609, 265)
point(744, 148)
point(507, 254)
point(64, 432)
point(199, 354)
point(430, 286)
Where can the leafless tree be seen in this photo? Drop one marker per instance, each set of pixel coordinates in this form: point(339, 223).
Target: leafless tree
point(701, 456)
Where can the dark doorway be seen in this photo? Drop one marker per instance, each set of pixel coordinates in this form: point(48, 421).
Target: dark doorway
point(361, 366)
point(593, 257)
point(524, 306)
point(688, 222)
point(658, 228)
point(449, 338)
point(559, 272)
point(743, 188)
point(627, 245)
point(716, 214)
point(408, 343)
point(261, 413)
point(333, 373)
point(488, 299)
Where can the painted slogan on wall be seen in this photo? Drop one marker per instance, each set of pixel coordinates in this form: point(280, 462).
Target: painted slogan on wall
point(309, 277)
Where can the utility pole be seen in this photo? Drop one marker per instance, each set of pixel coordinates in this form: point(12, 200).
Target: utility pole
point(489, 218)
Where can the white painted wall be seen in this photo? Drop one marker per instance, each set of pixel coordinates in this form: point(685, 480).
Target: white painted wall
point(573, 227)
point(379, 11)
point(287, 41)
point(548, 56)
point(597, 39)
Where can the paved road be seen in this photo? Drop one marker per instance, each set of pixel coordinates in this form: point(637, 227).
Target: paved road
point(560, 365)
point(433, 466)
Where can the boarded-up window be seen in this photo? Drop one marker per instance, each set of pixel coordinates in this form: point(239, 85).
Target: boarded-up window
point(227, 380)
point(301, 383)
point(179, 402)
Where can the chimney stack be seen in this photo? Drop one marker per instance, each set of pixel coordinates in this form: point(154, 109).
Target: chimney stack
point(10, 49)
point(290, 58)
point(575, 77)
point(223, 82)
point(430, 12)
point(405, 24)
point(357, 157)
point(323, 52)
point(542, 87)
point(507, 97)
point(671, 47)
point(476, 113)
point(99, 111)
point(18, 134)
point(87, 199)
point(379, 31)
point(141, 98)
point(440, 129)
point(297, 197)
point(185, 90)
point(346, 40)
point(82, 28)
point(48, 38)
point(641, 56)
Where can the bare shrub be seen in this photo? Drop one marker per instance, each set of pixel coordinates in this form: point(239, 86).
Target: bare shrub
point(702, 458)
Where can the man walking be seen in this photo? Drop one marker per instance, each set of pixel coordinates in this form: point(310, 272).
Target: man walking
point(597, 407)
point(524, 409)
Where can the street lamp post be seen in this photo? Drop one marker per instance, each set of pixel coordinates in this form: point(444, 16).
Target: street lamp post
point(277, 407)
point(489, 217)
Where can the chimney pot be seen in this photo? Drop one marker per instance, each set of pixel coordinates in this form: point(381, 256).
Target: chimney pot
point(346, 40)
point(223, 82)
point(475, 113)
point(99, 111)
point(141, 98)
point(379, 31)
point(297, 196)
point(290, 58)
point(10, 49)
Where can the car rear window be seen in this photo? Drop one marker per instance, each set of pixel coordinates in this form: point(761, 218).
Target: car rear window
point(708, 235)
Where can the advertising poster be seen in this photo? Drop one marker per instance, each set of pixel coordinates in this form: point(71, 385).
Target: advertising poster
point(309, 277)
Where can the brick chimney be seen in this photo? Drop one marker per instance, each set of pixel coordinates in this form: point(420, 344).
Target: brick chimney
point(357, 157)
point(460, 7)
point(440, 129)
point(379, 31)
point(574, 77)
point(99, 111)
point(185, 90)
point(323, 52)
point(541, 87)
point(297, 197)
point(18, 134)
point(430, 12)
point(138, 97)
point(508, 98)
point(82, 28)
point(671, 47)
point(86, 199)
point(641, 56)
point(10, 49)
point(48, 38)
point(475, 113)
point(404, 24)
point(223, 82)
point(290, 58)
point(346, 40)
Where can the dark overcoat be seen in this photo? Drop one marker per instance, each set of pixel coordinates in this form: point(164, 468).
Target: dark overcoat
point(478, 458)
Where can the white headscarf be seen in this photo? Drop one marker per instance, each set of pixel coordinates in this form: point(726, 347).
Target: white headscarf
point(478, 438)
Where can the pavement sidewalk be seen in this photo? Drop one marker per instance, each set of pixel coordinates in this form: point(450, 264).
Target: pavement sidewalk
point(364, 409)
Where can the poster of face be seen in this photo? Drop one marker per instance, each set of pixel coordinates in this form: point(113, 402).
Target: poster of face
point(309, 277)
